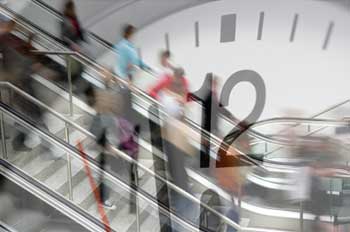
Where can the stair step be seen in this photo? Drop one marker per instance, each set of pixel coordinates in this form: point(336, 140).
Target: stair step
point(151, 223)
point(90, 199)
point(24, 158)
point(48, 161)
point(148, 219)
point(115, 197)
point(56, 125)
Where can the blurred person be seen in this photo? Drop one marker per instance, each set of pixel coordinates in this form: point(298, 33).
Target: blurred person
point(322, 167)
point(166, 65)
point(19, 65)
point(14, 68)
point(127, 55)
point(208, 221)
point(171, 84)
point(229, 171)
point(111, 128)
point(172, 92)
point(166, 68)
point(72, 35)
point(6, 27)
point(127, 59)
point(104, 128)
point(316, 162)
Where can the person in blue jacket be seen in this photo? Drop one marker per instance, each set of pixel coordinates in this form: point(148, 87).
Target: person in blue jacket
point(127, 55)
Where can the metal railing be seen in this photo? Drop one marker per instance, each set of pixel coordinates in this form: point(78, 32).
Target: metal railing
point(6, 227)
point(71, 152)
point(309, 131)
point(95, 167)
point(48, 196)
point(59, 16)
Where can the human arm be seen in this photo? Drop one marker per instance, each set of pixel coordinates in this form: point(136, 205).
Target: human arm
point(164, 82)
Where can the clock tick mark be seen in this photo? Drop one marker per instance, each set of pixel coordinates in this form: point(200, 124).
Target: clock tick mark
point(228, 28)
point(196, 33)
point(328, 35)
point(294, 27)
point(261, 25)
point(167, 42)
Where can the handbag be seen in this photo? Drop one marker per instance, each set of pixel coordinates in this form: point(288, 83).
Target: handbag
point(128, 138)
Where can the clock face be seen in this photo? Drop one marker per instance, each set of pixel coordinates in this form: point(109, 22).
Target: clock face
point(299, 48)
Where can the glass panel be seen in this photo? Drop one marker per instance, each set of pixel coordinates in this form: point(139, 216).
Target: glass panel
point(36, 156)
point(39, 17)
point(23, 211)
point(50, 23)
point(51, 165)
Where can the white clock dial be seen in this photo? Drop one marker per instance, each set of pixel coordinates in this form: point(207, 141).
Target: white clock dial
point(308, 72)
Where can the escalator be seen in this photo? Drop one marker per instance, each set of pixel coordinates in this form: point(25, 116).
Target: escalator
point(143, 116)
point(50, 172)
point(27, 205)
point(6, 228)
point(22, 209)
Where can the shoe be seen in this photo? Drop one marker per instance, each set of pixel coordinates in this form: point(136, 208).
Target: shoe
point(137, 130)
point(32, 141)
point(109, 205)
point(20, 147)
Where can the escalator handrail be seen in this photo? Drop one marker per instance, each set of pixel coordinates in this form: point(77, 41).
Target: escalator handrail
point(77, 210)
point(6, 227)
point(316, 130)
point(307, 135)
point(311, 117)
point(69, 149)
point(47, 108)
point(278, 120)
point(59, 16)
point(23, 22)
